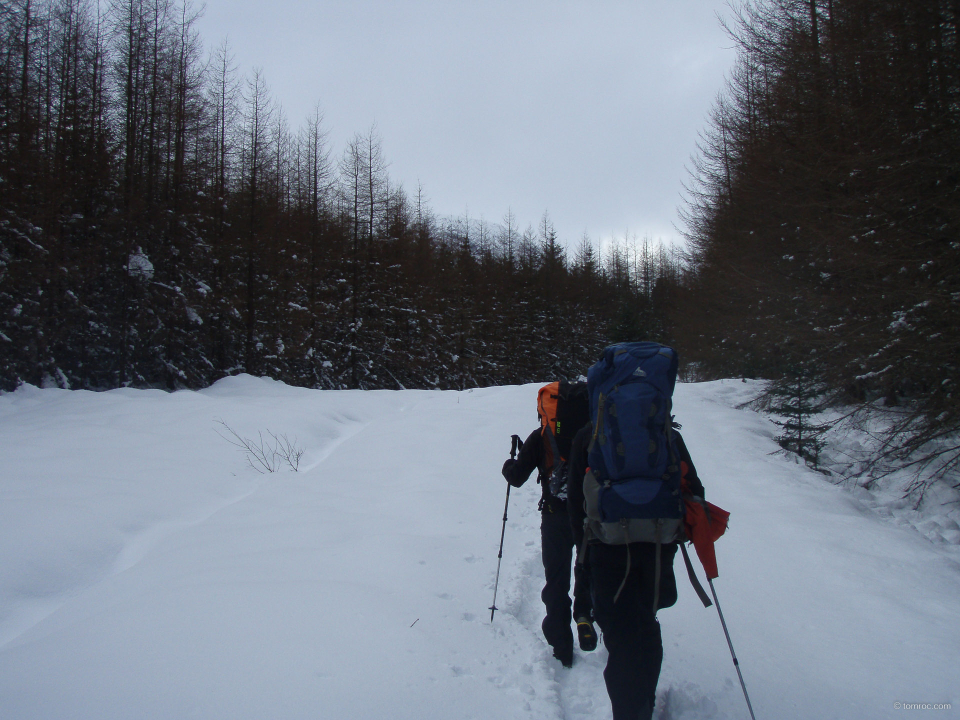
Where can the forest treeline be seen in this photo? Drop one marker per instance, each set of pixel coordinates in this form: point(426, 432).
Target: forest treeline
point(161, 225)
point(824, 219)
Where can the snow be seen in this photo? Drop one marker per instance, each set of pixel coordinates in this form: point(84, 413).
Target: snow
point(139, 265)
point(892, 488)
point(146, 571)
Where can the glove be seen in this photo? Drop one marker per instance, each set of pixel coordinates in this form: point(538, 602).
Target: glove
point(507, 470)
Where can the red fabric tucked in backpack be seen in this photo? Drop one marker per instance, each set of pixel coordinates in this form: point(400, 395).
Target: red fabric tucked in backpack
point(704, 523)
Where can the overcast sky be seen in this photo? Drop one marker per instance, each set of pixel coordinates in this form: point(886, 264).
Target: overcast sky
point(588, 110)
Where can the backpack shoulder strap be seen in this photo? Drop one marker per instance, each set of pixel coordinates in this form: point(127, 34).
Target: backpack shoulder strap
point(547, 432)
point(554, 486)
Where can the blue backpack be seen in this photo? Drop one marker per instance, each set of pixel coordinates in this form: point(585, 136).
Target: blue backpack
point(632, 490)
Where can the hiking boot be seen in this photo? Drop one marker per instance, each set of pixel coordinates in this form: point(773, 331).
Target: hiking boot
point(587, 634)
point(564, 655)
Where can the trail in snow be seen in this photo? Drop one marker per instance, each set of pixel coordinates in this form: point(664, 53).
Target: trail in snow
point(144, 571)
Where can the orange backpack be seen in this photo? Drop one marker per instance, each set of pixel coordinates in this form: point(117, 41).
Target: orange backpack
point(563, 409)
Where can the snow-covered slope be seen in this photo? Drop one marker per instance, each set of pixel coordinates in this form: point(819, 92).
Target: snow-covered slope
point(146, 572)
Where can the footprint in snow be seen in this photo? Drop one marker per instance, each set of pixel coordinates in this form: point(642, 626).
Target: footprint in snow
point(687, 700)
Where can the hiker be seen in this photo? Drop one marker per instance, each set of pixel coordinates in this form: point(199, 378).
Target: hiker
point(557, 537)
point(629, 582)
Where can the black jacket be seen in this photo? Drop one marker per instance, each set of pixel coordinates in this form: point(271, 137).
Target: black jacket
point(534, 455)
point(578, 468)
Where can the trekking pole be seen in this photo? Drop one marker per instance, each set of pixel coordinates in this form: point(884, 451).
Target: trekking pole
point(736, 663)
point(515, 443)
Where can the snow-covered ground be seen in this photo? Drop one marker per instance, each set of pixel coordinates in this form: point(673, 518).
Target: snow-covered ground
point(890, 489)
point(147, 572)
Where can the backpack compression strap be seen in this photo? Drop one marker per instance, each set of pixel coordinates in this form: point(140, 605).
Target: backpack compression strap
point(701, 593)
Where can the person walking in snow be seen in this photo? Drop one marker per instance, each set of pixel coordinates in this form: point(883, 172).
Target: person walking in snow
point(557, 537)
point(623, 581)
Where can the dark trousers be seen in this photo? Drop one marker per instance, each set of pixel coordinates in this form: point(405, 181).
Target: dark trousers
point(558, 547)
point(630, 628)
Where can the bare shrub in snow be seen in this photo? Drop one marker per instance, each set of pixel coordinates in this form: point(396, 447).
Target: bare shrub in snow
point(267, 454)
